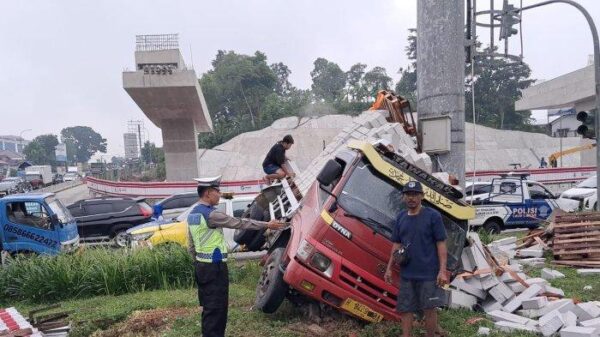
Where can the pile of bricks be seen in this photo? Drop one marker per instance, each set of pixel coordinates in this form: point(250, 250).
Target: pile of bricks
point(493, 281)
point(577, 240)
point(13, 324)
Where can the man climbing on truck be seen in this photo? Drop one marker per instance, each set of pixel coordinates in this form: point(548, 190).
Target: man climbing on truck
point(274, 163)
point(419, 246)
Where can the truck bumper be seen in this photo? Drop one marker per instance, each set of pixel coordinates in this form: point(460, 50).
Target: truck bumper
point(322, 289)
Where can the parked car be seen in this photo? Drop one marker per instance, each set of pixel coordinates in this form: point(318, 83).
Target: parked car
point(175, 230)
point(57, 179)
point(12, 185)
point(584, 193)
point(176, 204)
point(71, 176)
point(109, 218)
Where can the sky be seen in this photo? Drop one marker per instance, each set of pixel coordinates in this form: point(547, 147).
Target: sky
point(62, 60)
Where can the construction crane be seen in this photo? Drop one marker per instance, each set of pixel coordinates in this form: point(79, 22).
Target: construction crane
point(553, 158)
point(400, 112)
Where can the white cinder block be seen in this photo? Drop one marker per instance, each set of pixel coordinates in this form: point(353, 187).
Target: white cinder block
point(551, 323)
point(490, 305)
point(529, 313)
point(535, 303)
point(592, 323)
point(539, 281)
point(498, 316)
point(516, 287)
point(483, 331)
point(513, 327)
point(578, 331)
point(586, 272)
point(569, 318)
point(563, 306)
point(534, 262)
point(505, 241)
point(530, 252)
point(551, 274)
point(516, 302)
point(489, 281)
point(501, 293)
point(467, 265)
point(586, 311)
point(460, 284)
point(459, 300)
point(556, 291)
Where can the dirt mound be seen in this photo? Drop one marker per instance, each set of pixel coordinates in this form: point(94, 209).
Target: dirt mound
point(150, 323)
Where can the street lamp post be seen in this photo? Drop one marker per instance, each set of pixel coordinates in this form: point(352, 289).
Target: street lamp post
point(594, 31)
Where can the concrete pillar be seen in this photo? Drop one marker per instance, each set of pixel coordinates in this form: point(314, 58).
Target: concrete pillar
point(180, 142)
point(440, 74)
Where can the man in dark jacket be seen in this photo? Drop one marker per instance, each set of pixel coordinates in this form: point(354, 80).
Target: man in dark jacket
point(274, 163)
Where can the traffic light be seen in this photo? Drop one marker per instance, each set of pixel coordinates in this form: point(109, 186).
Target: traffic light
point(586, 129)
point(510, 17)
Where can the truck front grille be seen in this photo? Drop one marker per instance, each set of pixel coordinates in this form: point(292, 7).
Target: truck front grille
point(367, 288)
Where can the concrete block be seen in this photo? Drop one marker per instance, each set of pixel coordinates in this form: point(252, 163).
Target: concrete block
point(539, 281)
point(562, 306)
point(586, 311)
point(490, 305)
point(550, 274)
point(476, 251)
point(535, 303)
point(501, 293)
point(530, 252)
point(551, 323)
point(529, 313)
point(586, 272)
point(458, 300)
point(556, 291)
point(505, 241)
point(578, 331)
point(516, 287)
point(499, 315)
point(516, 267)
point(516, 302)
point(489, 281)
point(510, 327)
point(460, 284)
point(591, 323)
point(569, 318)
point(467, 265)
point(533, 262)
point(483, 331)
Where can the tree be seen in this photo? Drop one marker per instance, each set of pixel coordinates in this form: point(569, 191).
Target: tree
point(34, 152)
point(152, 154)
point(328, 80)
point(354, 77)
point(407, 85)
point(282, 72)
point(82, 143)
point(41, 150)
point(376, 79)
point(238, 85)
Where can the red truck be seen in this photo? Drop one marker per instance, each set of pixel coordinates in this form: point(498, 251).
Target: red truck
point(338, 244)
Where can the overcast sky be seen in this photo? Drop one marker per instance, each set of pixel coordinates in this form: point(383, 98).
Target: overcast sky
point(62, 60)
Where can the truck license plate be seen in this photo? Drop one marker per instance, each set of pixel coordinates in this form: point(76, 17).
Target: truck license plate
point(361, 310)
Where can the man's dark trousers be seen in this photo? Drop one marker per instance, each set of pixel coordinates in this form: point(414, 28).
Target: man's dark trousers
point(213, 294)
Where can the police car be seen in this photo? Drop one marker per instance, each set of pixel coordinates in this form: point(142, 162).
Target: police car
point(516, 202)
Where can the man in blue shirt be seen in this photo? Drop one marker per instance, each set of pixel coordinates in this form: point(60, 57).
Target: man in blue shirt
point(420, 231)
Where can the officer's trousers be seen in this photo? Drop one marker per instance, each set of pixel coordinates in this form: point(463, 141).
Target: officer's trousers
point(213, 294)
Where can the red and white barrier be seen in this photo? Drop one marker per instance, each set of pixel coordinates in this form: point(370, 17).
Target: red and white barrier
point(557, 179)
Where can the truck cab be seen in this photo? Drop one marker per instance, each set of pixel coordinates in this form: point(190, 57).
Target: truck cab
point(514, 201)
point(339, 241)
point(36, 223)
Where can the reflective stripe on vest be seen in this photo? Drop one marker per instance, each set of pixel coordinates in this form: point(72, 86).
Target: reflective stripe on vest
point(209, 243)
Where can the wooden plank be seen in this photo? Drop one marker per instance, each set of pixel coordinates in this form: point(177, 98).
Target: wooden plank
point(586, 239)
point(579, 251)
point(542, 243)
point(576, 229)
point(574, 235)
point(576, 224)
point(575, 246)
point(589, 264)
point(578, 257)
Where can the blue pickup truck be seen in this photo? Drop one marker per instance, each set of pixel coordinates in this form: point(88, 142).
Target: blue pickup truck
point(36, 223)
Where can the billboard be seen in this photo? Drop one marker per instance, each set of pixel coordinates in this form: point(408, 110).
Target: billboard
point(60, 151)
point(130, 141)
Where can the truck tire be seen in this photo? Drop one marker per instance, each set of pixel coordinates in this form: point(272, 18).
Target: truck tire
point(248, 236)
point(119, 236)
point(271, 289)
point(492, 226)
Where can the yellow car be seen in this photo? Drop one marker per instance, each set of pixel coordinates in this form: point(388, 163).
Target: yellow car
point(175, 230)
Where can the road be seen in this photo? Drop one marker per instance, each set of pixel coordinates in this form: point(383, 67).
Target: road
point(71, 195)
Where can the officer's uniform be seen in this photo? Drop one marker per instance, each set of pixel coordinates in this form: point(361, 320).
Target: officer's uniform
point(209, 249)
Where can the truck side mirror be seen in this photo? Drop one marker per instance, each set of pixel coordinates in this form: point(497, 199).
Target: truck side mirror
point(330, 172)
point(54, 220)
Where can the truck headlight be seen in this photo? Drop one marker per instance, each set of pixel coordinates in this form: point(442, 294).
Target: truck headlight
point(305, 249)
point(322, 263)
point(141, 236)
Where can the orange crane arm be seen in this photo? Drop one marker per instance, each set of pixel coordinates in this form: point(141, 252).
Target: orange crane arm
point(559, 154)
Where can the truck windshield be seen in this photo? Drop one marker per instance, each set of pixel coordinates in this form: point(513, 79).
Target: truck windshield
point(372, 198)
point(31, 177)
point(63, 214)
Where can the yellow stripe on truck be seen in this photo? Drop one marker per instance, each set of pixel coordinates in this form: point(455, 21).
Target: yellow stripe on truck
point(326, 217)
point(458, 211)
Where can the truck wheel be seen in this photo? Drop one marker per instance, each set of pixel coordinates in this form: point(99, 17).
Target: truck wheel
point(257, 242)
point(492, 227)
point(271, 289)
point(248, 236)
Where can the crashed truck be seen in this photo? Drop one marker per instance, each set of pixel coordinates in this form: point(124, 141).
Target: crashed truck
point(337, 246)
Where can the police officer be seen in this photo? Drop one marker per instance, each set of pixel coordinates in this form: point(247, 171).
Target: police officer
point(209, 249)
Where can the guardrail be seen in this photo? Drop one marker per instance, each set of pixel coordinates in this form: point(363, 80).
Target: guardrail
point(60, 187)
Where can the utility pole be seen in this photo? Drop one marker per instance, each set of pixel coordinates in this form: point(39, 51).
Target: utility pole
point(440, 83)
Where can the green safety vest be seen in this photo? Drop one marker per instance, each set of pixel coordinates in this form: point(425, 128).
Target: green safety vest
point(209, 243)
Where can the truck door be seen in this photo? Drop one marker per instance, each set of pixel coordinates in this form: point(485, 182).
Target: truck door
point(508, 193)
point(28, 227)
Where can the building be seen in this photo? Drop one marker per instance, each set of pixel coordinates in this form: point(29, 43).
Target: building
point(13, 143)
point(564, 123)
point(130, 141)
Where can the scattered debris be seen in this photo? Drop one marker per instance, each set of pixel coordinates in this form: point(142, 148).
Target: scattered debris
point(12, 323)
point(577, 239)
